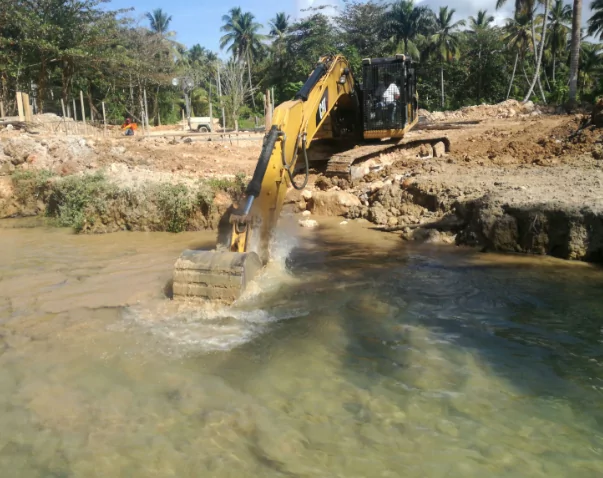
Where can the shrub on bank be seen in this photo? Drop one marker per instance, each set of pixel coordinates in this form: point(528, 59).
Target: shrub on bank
point(93, 203)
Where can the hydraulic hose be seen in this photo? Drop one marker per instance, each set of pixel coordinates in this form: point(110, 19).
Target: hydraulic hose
point(307, 166)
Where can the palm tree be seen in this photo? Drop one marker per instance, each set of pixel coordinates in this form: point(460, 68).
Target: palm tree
point(559, 19)
point(528, 7)
point(518, 37)
point(242, 38)
point(482, 22)
point(407, 21)
point(591, 64)
point(575, 52)
point(279, 25)
point(160, 21)
point(446, 40)
point(595, 24)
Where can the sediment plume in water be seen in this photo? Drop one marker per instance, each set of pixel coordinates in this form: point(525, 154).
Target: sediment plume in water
point(205, 326)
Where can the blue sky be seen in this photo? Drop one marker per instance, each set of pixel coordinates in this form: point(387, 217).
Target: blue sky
point(200, 21)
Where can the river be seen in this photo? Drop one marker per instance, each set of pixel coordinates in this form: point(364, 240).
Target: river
point(355, 355)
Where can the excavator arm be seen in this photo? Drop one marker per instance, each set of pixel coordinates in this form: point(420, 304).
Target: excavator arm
point(245, 232)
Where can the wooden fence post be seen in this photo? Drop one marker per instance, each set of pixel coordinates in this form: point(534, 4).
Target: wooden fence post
point(83, 111)
point(146, 111)
point(77, 129)
point(20, 106)
point(1, 109)
point(104, 120)
point(64, 117)
point(27, 108)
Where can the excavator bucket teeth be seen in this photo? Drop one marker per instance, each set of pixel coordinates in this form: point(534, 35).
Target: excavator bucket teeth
point(213, 275)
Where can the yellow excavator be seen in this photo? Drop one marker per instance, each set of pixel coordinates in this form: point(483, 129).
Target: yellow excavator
point(332, 106)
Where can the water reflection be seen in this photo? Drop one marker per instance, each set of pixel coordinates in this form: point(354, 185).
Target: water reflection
point(366, 357)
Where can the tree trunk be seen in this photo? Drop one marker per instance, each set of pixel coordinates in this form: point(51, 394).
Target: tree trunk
point(479, 79)
point(536, 57)
point(540, 52)
point(250, 84)
point(406, 46)
point(575, 52)
point(554, 61)
point(442, 83)
point(513, 75)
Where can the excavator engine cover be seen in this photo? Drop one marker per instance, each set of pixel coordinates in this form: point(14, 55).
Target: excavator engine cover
point(214, 275)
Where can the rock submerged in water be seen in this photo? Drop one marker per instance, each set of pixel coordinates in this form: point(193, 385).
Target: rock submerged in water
point(332, 203)
point(308, 223)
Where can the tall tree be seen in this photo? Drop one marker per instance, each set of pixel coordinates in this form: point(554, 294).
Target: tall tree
point(446, 42)
point(595, 23)
point(518, 37)
point(242, 38)
point(483, 21)
point(407, 21)
point(575, 52)
point(540, 53)
point(279, 25)
point(559, 19)
point(479, 30)
point(159, 21)
point(361, 26)
point(591, 65)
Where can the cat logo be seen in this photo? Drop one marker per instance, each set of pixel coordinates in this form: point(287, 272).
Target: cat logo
point(322, 107)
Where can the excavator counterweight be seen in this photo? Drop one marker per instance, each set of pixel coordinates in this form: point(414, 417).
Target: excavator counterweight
point(330, 105)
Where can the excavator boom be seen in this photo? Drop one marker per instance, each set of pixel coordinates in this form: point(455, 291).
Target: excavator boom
point(245, 233)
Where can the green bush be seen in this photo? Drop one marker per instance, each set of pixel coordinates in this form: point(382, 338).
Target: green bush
point(30, 185)
point(176, 204)
point(79, 200)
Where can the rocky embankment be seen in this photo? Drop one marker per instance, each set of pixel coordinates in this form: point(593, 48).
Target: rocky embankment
point(527, 190)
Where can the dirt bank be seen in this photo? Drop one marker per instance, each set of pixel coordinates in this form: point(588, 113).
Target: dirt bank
point(515, 180)
point(519, 185)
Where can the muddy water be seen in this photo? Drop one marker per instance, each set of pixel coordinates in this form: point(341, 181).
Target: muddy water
point(354, 356)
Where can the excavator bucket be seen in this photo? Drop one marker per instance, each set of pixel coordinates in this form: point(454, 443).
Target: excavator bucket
point(214, 275)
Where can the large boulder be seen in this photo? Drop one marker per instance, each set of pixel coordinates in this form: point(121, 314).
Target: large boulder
point(23, 149)
point(332, 203)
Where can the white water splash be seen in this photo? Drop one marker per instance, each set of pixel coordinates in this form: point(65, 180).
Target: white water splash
point(206, 326)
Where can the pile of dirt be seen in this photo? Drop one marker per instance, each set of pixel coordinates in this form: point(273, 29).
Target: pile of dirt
point(505, 109)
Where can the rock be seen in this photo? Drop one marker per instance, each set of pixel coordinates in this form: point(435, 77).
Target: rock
point(9, 127)
point(306, 194)
point(332, 203)
point(68, 168)
point(597, 153)
point(343, 223)
point(378, 215)
point(7, 168)
point(528, 106)
point(306, 213)
point(376, 186)
point(407, 183)
point(19, 149)
point(439, 150)
point(309, 223)
point(187, 140)
point(392, 221)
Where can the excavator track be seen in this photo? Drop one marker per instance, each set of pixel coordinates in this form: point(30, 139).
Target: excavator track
point(341, 164)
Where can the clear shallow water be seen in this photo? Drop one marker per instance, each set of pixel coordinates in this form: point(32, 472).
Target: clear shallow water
point(363, 358)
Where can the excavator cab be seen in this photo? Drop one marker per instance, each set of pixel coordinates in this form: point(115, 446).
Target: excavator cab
point(389, 99)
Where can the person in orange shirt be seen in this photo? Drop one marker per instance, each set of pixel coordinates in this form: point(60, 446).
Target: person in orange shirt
point(129, 127)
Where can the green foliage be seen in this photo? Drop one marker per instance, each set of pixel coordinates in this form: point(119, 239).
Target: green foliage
point(31, 185)
point(176, 204)
point(78, 201)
